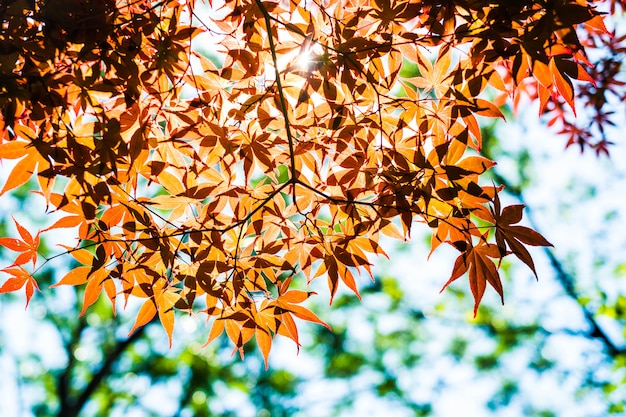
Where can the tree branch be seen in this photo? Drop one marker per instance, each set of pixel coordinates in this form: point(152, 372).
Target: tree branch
point(281, 93)
point(72, 408)
point(64, 380)
point(566, 280)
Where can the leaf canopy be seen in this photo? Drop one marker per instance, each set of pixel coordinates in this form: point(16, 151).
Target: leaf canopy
point(195, 186)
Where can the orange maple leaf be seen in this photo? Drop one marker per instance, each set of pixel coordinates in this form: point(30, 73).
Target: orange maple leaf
point(21, 278)
point(482, 270)
point(27, 246)
point(29, 159)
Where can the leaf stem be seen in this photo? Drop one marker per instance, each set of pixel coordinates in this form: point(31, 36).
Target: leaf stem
point(279, 85)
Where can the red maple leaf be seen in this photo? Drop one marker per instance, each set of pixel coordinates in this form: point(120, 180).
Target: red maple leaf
point(513, 236)
point(482, 270)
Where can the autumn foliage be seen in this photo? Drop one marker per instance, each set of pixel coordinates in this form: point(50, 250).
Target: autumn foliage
point(196, 185)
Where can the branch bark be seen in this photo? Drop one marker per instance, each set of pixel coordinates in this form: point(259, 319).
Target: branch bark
point(71, 407)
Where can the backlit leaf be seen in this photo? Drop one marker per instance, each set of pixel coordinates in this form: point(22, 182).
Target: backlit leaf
point(226, 189)
point(20, 279)
point(146, 313)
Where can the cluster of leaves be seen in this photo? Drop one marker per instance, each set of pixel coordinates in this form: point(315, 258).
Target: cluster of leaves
point(195, 186)
point(601, 66)
point(599, 98)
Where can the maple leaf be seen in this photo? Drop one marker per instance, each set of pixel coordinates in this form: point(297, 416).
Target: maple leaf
point(513, 236)
point(264, 341)
point(165, 298)
point(21, 278)
point(433, 77)
point(28, 245)
point(28, 157)
point(95, 280)
point(562, 83)
point(289, 301)
point(224, 179)
point(275, 316)
point(478, 262)
point(146, 313)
